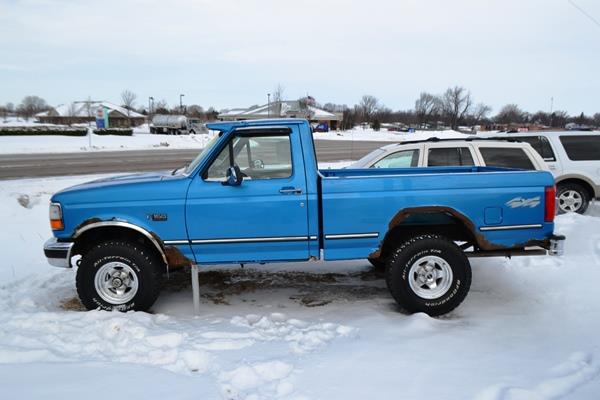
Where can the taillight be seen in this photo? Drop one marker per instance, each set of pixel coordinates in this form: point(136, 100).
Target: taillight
point(550, 203)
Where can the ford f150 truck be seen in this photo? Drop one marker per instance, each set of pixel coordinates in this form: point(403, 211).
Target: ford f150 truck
point(255, 194)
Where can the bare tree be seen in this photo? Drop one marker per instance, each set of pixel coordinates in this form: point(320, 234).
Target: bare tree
point(161, 107)
point(511, 114)
point(367, 106)
point(597, 119)
point(456, 103)
point(196, 111)
point(128, 98)
point(31, 105)
point(427, 107)
point(481, 112)
point(276, 99)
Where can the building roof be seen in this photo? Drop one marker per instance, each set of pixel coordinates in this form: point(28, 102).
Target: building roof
point(283, 109)
point(81, 109)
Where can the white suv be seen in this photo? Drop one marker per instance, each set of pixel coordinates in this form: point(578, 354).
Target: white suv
point(573, 159)
point(451, 152)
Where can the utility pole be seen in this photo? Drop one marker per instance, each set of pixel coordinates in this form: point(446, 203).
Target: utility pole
point(150, 101)
point(181, 103)
point(268, 105)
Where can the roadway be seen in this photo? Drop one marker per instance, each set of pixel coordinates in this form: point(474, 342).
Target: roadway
point(59, 164)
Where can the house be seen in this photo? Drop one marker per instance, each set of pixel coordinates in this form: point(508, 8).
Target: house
point(284, 109)
point(83, 112)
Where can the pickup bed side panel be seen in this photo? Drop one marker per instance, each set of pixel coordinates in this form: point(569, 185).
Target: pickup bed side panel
point(358, 207)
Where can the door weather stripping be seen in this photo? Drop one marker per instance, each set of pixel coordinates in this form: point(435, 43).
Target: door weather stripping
point(352, 236)
point(509, 227)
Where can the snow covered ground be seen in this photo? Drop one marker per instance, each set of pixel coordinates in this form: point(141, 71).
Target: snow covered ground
point(142, 140)
point(528, 329)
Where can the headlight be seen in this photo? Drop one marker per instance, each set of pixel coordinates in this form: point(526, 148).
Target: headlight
point(56, 217)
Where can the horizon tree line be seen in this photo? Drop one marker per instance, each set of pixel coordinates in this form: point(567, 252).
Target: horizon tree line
point(453, 108)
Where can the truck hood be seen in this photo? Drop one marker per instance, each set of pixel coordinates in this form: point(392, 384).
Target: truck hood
point(140, 186)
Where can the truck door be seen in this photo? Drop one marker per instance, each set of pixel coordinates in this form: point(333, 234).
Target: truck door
point(262, 219)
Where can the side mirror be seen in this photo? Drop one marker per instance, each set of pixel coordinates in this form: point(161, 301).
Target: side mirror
point(234, 176)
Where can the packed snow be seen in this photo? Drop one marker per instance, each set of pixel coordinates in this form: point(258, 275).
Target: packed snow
point(143, 140)
point(528, 329)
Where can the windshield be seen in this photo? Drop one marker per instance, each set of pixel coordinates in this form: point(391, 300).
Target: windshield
point(211, 143)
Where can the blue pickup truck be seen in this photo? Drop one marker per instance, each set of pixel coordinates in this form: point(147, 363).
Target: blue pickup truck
point(254, 194)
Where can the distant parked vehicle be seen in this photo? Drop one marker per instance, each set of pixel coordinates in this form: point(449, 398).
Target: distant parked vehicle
point(453, 152)
point(175, 125)
point(322, 127)
point(573, 159)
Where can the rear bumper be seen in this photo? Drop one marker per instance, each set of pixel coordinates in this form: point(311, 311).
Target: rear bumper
point(553, 246)
point(58, 253)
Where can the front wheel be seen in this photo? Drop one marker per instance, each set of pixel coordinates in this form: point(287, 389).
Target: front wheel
point(429, 274)
point(119, 275)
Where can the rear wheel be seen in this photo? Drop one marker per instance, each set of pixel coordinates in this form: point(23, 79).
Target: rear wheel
point(119, 275)
point(572, 197)
point(429, 274)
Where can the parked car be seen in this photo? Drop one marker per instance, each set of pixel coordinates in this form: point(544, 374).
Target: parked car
point(573, 159)
point(452, 152)
point(255, 194)
point(321, 127)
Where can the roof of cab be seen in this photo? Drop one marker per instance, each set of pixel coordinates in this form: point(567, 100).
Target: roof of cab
point(226, 126)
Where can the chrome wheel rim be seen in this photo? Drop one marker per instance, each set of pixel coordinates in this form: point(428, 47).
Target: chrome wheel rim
point(570, 201)
point(430, 277)
point(116, 283)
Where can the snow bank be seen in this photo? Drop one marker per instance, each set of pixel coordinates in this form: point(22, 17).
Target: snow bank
point(528, 329)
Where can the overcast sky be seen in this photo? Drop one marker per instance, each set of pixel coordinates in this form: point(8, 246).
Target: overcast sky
point(228, 53)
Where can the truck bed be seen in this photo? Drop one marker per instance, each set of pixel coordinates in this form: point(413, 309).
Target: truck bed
point(479, 196)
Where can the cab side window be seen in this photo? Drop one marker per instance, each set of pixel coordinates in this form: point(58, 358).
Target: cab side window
point(259, 157)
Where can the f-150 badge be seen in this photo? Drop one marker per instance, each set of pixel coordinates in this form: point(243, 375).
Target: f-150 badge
point(523, 202)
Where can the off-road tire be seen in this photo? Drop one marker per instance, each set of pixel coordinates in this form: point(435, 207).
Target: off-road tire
point(147, 267)
point(585, 198)
point(402, 259)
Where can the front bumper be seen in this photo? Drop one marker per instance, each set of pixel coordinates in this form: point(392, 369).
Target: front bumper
point(58, 253)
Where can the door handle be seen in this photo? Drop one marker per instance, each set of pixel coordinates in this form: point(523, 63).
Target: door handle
point(290, 190)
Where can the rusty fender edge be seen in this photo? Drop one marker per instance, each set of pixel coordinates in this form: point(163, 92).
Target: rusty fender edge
point(171, 255)
point(485, 247)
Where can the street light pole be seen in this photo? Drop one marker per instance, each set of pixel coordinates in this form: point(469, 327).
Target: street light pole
point(268, 105)
point(181, 102)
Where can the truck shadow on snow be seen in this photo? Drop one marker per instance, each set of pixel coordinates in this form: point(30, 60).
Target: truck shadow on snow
point(228, 286)
point(261, 287)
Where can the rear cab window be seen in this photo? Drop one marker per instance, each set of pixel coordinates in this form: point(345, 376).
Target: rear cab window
point(508, 157)
point(582, 147)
